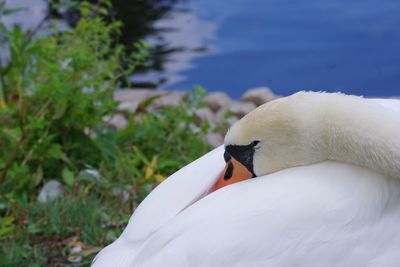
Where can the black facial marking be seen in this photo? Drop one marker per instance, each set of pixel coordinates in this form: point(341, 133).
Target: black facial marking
point(229, 171)
point(227, 157)
point(244, 154)
point(254, 143)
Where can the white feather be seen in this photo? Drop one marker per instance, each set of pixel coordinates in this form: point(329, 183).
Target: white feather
point(326, 214)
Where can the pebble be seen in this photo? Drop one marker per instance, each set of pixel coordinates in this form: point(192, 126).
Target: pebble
point(205, 115)
point(217, 100)
point(169, 99)
point(51, 190)
point(122, 193)
point(258, 96)
point(239, 109)
point(90, 175)
point(127, 95)
point(117, 121)
point(220, 111)
point(215, 139)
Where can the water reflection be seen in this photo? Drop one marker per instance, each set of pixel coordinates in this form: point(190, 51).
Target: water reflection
point(347, 45)
point(176, 35)
point(181, 37)
point(352, 46)
point(31, 15)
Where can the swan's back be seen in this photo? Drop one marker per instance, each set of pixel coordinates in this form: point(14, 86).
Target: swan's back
point(328, 214)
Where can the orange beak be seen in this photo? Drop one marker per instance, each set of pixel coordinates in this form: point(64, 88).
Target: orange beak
point(234, 172)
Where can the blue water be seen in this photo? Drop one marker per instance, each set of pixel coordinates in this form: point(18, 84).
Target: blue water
point(351, 46)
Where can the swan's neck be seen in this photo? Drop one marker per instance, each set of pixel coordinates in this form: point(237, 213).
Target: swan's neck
point(361, 132)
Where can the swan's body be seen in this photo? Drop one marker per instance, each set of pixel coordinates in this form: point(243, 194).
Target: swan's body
point(324, 214)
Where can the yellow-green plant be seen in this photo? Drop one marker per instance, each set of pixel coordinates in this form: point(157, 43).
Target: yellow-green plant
point(54, 92)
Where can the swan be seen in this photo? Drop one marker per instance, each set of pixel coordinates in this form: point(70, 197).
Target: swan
point(325, 192)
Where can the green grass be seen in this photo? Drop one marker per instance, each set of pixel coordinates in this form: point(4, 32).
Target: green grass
point(90, 212)
point(54, 91)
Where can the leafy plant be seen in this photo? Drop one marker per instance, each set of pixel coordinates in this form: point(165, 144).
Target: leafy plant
point(55, 90)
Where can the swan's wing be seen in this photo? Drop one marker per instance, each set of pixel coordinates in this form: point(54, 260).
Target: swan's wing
point(172, 196)
point(176, 193)
point(392, 104)
point(328, 214)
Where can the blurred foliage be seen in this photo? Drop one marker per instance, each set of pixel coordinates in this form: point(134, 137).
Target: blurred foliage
point(138, 19)
point(55, 90)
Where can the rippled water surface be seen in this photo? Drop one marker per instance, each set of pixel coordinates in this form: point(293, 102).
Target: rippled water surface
point(352, 46)
point(347, 45)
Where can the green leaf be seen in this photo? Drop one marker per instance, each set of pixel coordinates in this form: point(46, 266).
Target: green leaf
point(62, 107)
point(6, 226)
point(147, 102)
point(170, 164)
point(55, 152)
point(37, 177)
point(33, 228)
point(139, 154)
point(68, 177)
point(12, 134)
point(6, 221)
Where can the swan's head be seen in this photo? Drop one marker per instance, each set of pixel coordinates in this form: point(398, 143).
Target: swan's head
point(279, 134)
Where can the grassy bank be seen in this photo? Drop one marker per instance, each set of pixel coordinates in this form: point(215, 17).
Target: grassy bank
point(54, 93)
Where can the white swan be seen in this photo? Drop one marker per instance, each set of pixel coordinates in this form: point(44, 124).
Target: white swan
point(326, 193)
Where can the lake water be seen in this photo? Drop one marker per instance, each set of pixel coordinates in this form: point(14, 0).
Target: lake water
point(347, 45)
point(351, 46)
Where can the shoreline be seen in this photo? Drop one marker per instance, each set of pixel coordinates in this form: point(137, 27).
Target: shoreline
point(218, 110)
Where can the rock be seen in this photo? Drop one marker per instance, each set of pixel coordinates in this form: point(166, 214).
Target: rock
point(204, 114)
point(50, 191)
point(239, 109)
point(128, 95)
point(217, 100)
point(195, 128)
point(89, 132)
point(130, 99)
point(224, 119)
point(258, 96)
point(117, 121)
point(215, 139)
point(169, 99)
point(129, 106)
point(231, 121)
point(122, 193)
point(90, 175)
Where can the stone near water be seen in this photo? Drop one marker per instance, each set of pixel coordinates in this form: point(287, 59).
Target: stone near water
point(217, 100)
point(169, 99)
point(239, 109)
point(258, 96)
point(126, 95)
point(205, 115)
point(215, 139)
point(117, 121)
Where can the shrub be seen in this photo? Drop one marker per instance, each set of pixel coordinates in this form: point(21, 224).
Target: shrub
point(54, 92)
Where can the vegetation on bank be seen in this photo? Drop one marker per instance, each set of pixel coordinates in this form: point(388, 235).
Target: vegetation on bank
point(55, 90)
